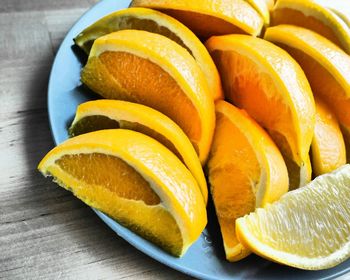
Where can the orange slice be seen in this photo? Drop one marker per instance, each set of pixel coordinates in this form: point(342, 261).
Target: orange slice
point(328, 148)
point(326, 66)
point(109, 114)
point(265, 81)
point(136, 181)
point(307, 228)
point(210, 17)
point(311, 15)
point(156, 22)
point(150, 69)
point(246, 170)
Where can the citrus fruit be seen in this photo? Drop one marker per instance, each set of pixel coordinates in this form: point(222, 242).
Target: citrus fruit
point(210, 17)
point(266, 81)
point(261, 6)
point(327, 148)
point(270, 4)
point(307, 228)
point(156, 22)
point(311, 15)
point(246, 170)
point(326, 66)
point(136, 181)
point(150, 69)
point(110, 114)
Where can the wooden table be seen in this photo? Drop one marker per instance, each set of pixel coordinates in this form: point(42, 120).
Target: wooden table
point(44, 231)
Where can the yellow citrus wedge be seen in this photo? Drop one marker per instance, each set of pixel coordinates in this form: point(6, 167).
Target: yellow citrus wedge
point(136, 181)
point(261, 6)
point(210, 17)
point(309, 14)
point(152, 70)
point(327, 148)
point(267, 82)
point(112, 114)
point(307, 228)
point(246, 170)
point(156, 22)
point(326, 66)
point(270, 4)
point(340, 7)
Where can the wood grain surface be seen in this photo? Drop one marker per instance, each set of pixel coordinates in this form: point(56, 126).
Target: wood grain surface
point(46, 233)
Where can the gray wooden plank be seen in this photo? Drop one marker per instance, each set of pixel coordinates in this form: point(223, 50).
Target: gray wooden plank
point(41, 5)
point(23, 36)
point(23, 85)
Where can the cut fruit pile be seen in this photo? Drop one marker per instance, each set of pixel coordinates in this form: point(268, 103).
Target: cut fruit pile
point(139, 155)
point(111, 114)
point(273, 89)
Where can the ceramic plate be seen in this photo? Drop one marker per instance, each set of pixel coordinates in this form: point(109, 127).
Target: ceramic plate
point(205, 259)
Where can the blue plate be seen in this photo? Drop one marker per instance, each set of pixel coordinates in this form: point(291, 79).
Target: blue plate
point(205, 259)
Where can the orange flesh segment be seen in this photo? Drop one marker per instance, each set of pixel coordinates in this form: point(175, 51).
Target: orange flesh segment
point(233, 185)
point(119, 178)
point(157, 92)
point(325, 88)
point(255, 91)
point(293, 17)
point(105, 191)
point(195, 21)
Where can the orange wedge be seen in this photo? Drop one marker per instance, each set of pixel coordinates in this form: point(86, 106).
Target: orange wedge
point(150, 69)
point(246, 170)
point(309, 14)
point(328, 148)
point(265, 81)
point(326, 66)
point(109, 114)
point(210, 17)
point(136, 181)
point(156, 22)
